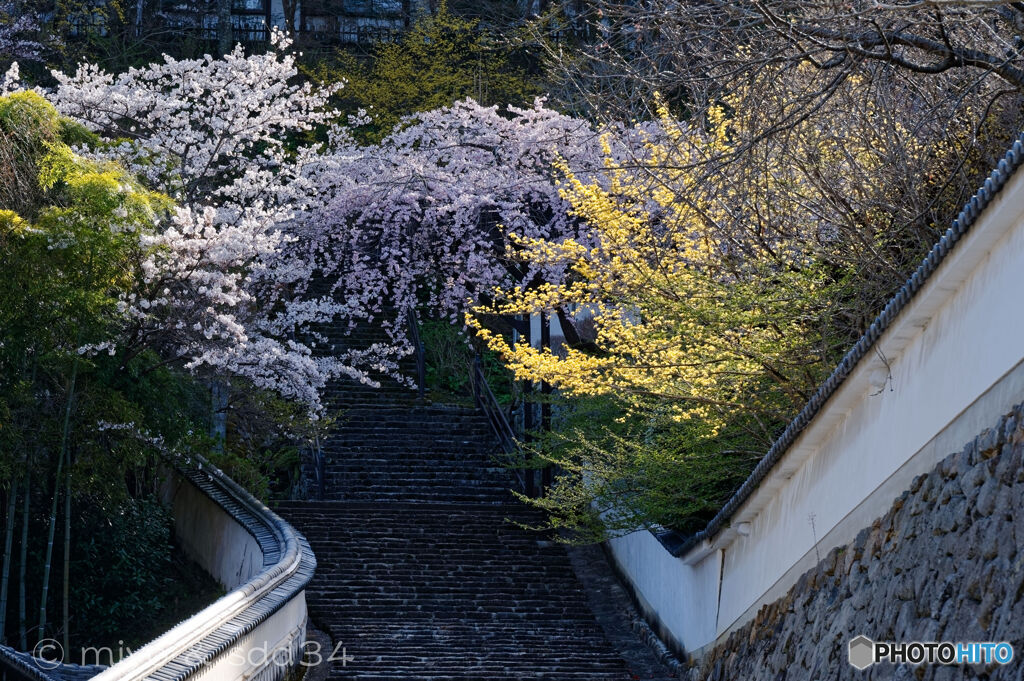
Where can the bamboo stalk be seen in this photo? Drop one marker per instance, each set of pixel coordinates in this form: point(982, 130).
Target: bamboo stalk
point(22, 631)
point(12, 508)
point(67, 549)
point(53, 507)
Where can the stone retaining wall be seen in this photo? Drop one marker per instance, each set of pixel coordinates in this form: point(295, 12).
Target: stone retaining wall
point(943, 564)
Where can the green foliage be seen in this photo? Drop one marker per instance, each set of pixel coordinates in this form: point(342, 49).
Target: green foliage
point(129, 577)
point(62, 271)
point(259, 455)
point(441, 59)
point(28, 116)
point(133, 544)
point(449, 356)
point(27, 124)
point(77, 389)
point(620, 470)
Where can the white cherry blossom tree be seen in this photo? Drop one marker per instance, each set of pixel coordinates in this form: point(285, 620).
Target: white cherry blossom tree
point(218, 137)
point(425, 217)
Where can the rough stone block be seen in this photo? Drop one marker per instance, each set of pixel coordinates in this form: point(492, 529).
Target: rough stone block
point(973, 478)
point(965, 459)
point(1009, 463)
point(988, 443)
point(985, 503)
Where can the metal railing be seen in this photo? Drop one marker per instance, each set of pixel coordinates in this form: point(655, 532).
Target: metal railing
point(319, 469)
point(485, 400)
point(421, 356)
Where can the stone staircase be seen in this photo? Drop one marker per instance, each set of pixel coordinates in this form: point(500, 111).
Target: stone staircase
point(395, 451)
point(424, 571)
point(448, 591)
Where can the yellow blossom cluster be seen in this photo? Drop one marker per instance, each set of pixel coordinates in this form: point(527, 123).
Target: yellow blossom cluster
point(704, 281)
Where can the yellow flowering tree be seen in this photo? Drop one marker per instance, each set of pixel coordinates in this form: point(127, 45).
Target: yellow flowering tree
point(721, 273)
point(683, 314)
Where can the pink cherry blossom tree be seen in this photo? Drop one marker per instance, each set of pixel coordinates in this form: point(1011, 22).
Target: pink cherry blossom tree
point(19, 28)
point(425, 217)
point(269, 237)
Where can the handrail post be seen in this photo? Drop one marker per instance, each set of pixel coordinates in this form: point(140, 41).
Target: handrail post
point(321, 471)
point(421, 360)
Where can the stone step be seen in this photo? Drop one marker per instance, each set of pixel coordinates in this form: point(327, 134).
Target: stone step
point(449, 590)
point(426, 570)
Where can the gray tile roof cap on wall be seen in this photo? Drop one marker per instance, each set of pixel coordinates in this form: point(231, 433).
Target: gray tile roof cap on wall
point(24, 666)
point(678, 544)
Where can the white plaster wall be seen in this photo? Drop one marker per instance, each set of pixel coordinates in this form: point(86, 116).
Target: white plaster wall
point(682, 598)
point(964, 348)
point(215, 540)
point(222, 546)
point(267, 653)
point(954, 354)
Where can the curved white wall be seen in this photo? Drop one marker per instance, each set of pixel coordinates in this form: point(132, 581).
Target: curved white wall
point(225, 549)
point(955, 353)
point(256, 631)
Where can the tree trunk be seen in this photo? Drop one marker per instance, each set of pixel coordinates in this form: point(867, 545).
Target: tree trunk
point(49, 548)
point(67, 546)
point(290, 8)
point(23, 547)
point(224, 26)
point(22, 630)
point(219, 393)
point(5, 571)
